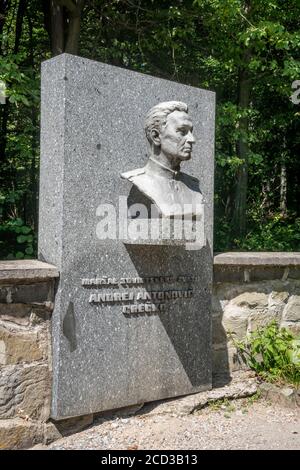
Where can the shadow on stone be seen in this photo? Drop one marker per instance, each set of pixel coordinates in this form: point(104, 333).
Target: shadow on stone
point(220, 361)
point(186, 321)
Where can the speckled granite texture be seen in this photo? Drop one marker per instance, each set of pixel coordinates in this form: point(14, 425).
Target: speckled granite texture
point(92, 130)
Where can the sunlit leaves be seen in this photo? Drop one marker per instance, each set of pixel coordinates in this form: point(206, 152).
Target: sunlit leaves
point(273, 352)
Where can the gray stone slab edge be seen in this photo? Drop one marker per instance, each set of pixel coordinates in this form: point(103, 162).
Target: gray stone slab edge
point(257, 259)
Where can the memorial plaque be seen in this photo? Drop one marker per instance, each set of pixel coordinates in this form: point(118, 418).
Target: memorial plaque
point(132, 316)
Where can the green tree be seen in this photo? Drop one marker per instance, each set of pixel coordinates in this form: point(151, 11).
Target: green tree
point(245, 50)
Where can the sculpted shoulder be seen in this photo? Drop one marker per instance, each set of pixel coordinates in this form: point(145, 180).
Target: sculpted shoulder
point(150, 185)
point(130, 175)
point(147, 184)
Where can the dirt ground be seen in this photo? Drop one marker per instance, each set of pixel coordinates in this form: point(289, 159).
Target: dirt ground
point(248, 423)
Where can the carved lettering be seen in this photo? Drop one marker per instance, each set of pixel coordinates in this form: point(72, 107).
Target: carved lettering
point(111, 297)
point(106, 281)
point(143, 308)
point(152, 300)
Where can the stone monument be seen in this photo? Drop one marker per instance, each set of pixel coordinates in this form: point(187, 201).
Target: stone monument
point(132, 319)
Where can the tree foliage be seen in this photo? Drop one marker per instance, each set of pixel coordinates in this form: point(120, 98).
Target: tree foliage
point(245, 50)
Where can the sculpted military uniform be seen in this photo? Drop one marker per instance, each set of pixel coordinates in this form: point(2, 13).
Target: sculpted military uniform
point(174, 193)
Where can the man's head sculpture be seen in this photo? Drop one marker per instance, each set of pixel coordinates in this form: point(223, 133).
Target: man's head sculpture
point(169, 131)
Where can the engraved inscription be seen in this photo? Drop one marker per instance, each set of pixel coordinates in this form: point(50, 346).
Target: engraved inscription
point(143, 308)
point(138, 301)
point(112, 281)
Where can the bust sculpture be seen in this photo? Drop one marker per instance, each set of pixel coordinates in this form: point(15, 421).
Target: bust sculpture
point(169, 131)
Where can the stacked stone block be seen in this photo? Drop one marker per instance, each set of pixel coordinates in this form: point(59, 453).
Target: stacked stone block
point(249, 292)
point(26, 304)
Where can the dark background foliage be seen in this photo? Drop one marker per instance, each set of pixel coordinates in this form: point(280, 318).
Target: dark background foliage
point(245, 50)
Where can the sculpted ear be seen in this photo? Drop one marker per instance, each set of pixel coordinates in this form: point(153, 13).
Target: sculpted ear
point(155, 137)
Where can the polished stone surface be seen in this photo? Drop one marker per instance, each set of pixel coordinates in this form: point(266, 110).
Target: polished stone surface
point(92, 130)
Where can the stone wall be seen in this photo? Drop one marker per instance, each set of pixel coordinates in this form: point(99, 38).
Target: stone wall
point(26, 304)
point(250, 289)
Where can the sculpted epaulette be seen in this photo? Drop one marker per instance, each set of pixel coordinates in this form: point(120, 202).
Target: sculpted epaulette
point(193, 178)
point(186, 177)
point(129, 175)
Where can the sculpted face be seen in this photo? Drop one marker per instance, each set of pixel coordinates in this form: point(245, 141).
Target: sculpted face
point(176, 136)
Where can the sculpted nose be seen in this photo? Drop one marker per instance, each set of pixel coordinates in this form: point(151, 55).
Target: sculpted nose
point(190, 138)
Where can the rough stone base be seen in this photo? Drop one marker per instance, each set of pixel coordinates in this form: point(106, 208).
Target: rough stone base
point(17, 433)
point(285, 396)
point(242, 385)
point(26, 303)
point(250, 290)
point(57, 429)
point(245, 297)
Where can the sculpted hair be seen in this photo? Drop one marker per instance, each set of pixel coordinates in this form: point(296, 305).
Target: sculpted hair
point(157, 116)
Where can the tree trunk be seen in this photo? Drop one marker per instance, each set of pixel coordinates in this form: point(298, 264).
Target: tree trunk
point(74, 29)
point(19, 24)
point(33, 189)
point(283, 190)
point(5, 108)
point(4, 6)
point(65, 25)
point(73, 35)
point(46, 10)
point(57, 28)
point(240, 202)
point(283, 179)
point(3, 133)
point(244, 88)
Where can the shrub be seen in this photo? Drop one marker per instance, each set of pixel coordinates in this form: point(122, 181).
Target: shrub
point(273, 352)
